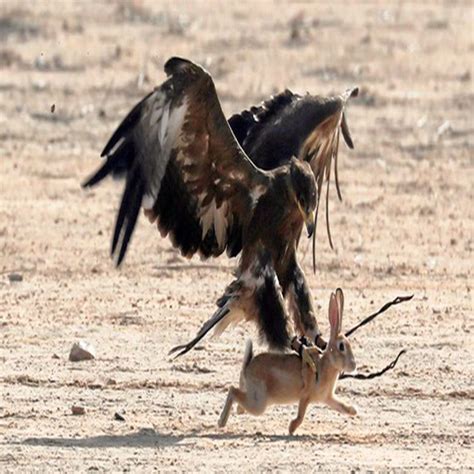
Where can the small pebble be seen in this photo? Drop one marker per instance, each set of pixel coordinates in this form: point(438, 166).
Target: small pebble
point(118, 417)
point(15, 277)
point(444, 128)
point(76, 410)
point(81, 350)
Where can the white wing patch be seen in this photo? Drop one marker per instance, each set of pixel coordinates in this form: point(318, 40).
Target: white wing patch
point(174, 123)
point(220, 224)
point(217, 218)
point(166, 123)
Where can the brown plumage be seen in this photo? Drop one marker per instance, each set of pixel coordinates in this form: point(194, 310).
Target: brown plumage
point(305, 126)
point(184, 166)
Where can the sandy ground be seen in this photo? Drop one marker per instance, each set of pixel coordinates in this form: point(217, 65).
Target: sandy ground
point(405, 226)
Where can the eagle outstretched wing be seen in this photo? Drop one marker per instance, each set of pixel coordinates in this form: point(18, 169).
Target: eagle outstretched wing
point(183, 165)
point(289, 125)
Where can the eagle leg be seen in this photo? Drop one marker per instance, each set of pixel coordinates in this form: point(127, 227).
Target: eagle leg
point(300, 303)
point(255, 296)
point(305, 348)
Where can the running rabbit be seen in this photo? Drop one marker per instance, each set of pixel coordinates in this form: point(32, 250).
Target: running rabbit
point(272, 378)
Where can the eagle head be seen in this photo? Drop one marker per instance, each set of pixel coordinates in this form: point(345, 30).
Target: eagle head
point(305, 191)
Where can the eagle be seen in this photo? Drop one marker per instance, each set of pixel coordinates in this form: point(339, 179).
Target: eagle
point(184, 165)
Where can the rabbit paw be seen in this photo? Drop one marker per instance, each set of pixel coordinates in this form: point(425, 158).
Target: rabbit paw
point(352, 411)
point(292, 427)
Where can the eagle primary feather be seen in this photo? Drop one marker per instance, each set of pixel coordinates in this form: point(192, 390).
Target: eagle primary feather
point(184, 165)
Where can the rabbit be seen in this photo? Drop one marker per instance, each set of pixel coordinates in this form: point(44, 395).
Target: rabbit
point(273, 378)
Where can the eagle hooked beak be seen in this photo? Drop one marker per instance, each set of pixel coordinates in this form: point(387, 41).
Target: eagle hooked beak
point(310, 220)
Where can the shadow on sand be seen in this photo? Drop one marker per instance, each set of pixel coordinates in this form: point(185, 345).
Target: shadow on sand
point(144, 438)
point(147, 437)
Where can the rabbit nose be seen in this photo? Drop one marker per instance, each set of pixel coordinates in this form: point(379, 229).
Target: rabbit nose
point(351, 366)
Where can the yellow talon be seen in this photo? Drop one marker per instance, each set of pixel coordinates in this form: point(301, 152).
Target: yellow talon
point(308, 359)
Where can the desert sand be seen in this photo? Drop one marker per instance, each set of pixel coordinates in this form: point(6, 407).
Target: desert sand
point(69, 73)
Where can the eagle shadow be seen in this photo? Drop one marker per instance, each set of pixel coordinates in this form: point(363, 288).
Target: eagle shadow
point(143, 438)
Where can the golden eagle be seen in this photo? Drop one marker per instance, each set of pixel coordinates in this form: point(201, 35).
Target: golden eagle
point(185, 167)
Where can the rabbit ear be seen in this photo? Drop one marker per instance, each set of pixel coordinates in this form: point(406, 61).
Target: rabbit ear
point(340, 304)
point(333, 317)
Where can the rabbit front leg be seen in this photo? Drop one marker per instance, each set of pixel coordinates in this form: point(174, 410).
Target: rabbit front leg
point(304, 402)
point(341, 407)
point(307, 374)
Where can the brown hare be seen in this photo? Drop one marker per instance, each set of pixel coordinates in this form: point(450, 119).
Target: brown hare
point(272, 378)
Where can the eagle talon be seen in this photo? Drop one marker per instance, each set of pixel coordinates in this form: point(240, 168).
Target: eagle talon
point(320, 342)
point(306, 356)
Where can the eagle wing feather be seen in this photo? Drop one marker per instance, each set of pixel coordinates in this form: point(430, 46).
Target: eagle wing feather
point(289, 125)
point(183, 165)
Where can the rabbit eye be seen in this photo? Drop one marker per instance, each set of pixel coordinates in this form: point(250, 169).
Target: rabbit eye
point(341, 346)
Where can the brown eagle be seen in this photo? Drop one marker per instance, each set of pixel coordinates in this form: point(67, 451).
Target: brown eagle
point(184, 165)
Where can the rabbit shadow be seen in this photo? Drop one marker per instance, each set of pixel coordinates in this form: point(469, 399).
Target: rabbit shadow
point(322, 438)
point(147, 437)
